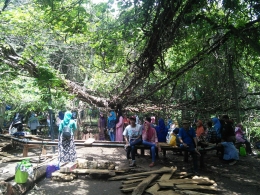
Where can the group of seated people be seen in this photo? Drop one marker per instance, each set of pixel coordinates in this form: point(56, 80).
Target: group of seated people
point(219, 131)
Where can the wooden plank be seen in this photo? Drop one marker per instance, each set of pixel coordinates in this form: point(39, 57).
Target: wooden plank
point(132, 181)
point(137, 177)
point(167, 192)
point(143, 185)
point(195, 187)
point(189, 192)
point(126, 190)
point(130, 185)
point(187, 175)
point(154, 190)
point(167, 176)
point(162, 170)
point(172, 182)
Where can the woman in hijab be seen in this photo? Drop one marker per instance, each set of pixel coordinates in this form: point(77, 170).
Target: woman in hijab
point(161, 131)
point(217, 127)
point(150, 138)
point(67, 150)
point(119, 126)
point(102, 123)
point(111, 125)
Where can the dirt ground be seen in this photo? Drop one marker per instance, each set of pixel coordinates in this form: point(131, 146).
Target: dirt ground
point(239, 179)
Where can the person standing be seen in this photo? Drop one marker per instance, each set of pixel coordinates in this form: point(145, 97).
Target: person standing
point(188, 141)
point(67, 150)
point(33, 123)
point(111, 125)
point(161, 131)
point(126, 121)
point(102, 123)
point(132, 135)
point(119, 126)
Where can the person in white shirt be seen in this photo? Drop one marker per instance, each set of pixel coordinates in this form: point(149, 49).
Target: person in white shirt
point(133, 136)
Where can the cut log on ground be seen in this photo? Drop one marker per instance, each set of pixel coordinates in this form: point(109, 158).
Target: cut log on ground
point(143, 185)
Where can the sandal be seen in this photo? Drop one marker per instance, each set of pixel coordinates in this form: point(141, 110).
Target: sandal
point(152, 164)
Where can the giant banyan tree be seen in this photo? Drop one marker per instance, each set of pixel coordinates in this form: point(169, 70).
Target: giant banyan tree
point(201, 55)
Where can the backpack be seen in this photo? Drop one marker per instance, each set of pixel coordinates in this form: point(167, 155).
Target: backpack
point(66, 132)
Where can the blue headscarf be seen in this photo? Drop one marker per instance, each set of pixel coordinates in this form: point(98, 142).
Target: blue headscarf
point(216, 123)
point(61, 115)
point(169, 123)
point(67, 118)
point(112, 117)
point(217, 126)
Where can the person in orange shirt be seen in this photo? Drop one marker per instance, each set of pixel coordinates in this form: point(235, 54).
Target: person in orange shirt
point(200, 131)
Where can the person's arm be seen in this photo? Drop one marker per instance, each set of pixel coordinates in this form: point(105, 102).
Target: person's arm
point(125, 136)
point(181, 142)
point(196, 142)
point(156, 141)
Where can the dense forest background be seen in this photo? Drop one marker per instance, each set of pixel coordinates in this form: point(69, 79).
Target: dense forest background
point(195, 58)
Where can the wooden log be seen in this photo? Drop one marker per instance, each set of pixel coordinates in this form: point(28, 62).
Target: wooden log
point(18, 189)
point(143, 185)
point(160, 171)
point(195, 187)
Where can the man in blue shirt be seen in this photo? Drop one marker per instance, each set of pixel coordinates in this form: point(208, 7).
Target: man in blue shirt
point(188, 141)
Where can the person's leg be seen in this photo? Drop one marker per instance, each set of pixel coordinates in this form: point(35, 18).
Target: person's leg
point(248, 147)
point(195, 160)
point(134, 142)
point(153, 146)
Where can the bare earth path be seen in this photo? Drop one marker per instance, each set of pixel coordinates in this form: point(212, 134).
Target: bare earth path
point(239, 179)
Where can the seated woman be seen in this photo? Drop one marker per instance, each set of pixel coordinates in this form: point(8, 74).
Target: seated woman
point(161, 131)
point(229, 152)
point(200, 133)
point(150, 139)
point(240, 137)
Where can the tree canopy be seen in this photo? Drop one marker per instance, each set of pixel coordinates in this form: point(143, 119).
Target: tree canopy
point(201, 55)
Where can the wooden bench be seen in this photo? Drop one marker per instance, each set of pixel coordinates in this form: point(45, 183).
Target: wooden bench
point(165, 147)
